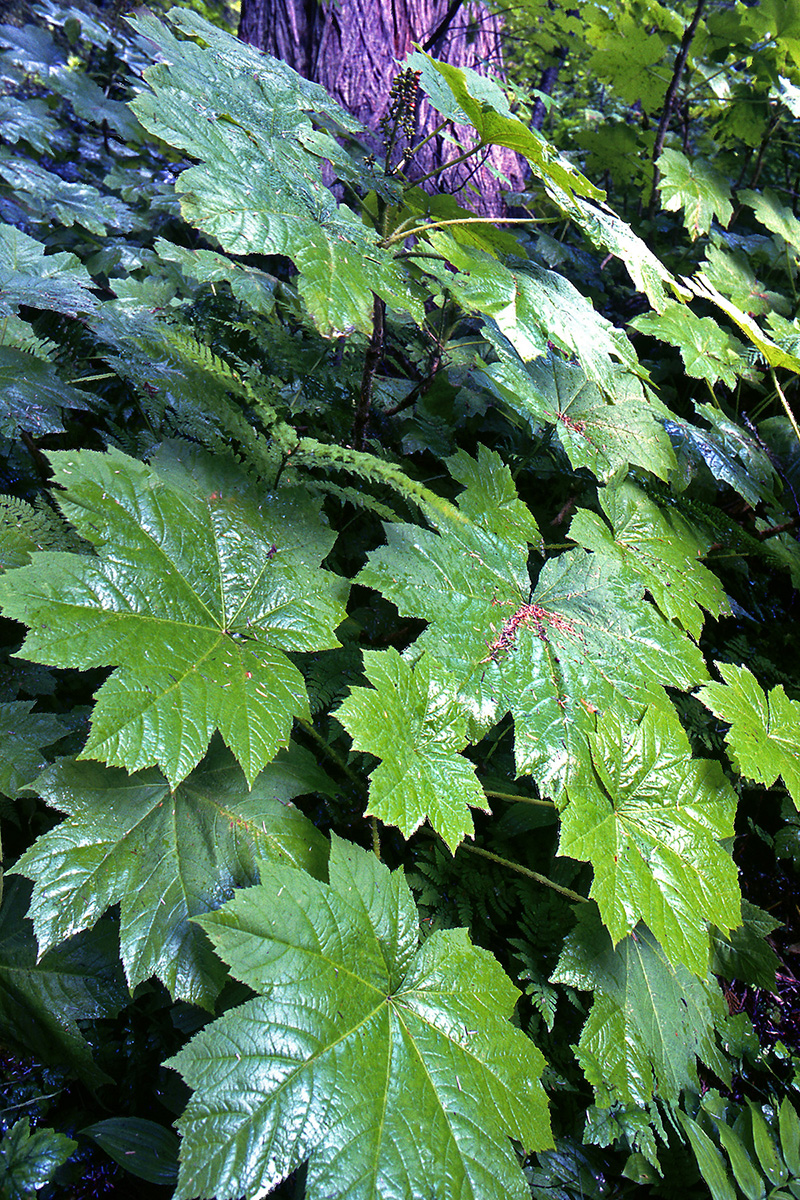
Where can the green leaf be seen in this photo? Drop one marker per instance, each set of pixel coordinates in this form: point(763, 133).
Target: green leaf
point(650, 1019)
point(764, 734)
point(145, 1149)
point(658, 547)
point(774, 355)
point(23, 734)
point(257, 188)
point(748, 1178)
point(490, 496)
point(649, 818)
point(789, 1125)
point(767, 1150)
point(32, 395)
point(468, 98)
point(43, 998)
point(776, 216)
point(417, 729)
point(30, 121)
point(47, 197)
point(164, 856)
point(632, 56)
point(375, 1059)
point(254, 288)
point(708, 351)
point(743, 953)
point(584, 639)
point(28, 1160)
point(224, 583)
point(697, 187)
point(605, 435)
point(713, 1167)
point(50, 282)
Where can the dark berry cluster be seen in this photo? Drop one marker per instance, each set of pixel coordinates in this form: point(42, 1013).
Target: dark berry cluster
point(401, 114)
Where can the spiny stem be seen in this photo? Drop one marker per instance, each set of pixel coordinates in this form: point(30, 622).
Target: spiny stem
point(376, 837)
point(519, 799)
point(506, 862)
point(400, 234)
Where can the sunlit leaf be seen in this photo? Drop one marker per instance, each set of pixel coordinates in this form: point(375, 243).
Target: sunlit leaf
point(376, 1059)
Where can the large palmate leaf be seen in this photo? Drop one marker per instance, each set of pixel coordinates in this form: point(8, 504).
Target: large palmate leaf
point(490, 496)
point(29, 1160)
point(532, 307)
point(601, 433)
point(374, 1058)
point(708, 351)
point(417, 729)
point(584, 639)
point(649, 818)
point(697, 187)
point(45, 196)
point(42, 998)
point(164, 856)
point(195, 595)
point(467, 98)
point(51, 282)
point(658, 547)
point(32, 394)
point(764, 734)
point(23, 734)
point(258, 185)
point(650, 1020)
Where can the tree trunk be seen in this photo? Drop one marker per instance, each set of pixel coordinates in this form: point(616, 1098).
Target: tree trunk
point(351, 47)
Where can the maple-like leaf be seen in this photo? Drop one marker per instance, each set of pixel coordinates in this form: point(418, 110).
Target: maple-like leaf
point(373, 1057)
point(23, 734)
point(43, 996)
point(764, 734)
point(417, 729)
point(28, 1160)
point(490, 497)
point(708, 351)
point(650, 818)
point(650, 1019)
point(257, 187)
point(32, 394)
point(50, 282)
point(658, 547)
point(583, 639)
point(602, 434)
point(195, 595)
point(164, 856)
point(697, 187)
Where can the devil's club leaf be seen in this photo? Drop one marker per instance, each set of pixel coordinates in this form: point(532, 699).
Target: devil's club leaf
point(659, 548)
point(43, 998)
point(32, 395)
point(376, 1060)
point(490, 496)
point(584, 640)
point(649, 818)
point(258, 186)
point(708, 351)
point(164, 856)
point(22, 736)
point(597, 433)
point(697, 187)
point(416, 728)
point(196, 596)
point(51, 282)
point(28, 1160)
point(764, 734)
point(650, 1020)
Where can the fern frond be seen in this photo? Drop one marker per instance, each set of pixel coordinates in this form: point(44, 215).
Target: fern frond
point(313, 453)
point(26, 528)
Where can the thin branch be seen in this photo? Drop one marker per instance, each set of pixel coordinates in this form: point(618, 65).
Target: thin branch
point(671, 96)
point(372, 360)
point(785, 403)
